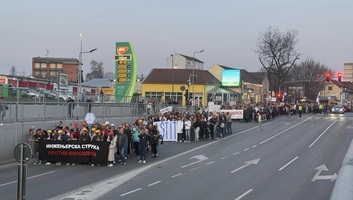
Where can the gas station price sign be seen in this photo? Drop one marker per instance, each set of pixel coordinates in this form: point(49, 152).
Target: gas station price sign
point(125, 72)
point(123, 69)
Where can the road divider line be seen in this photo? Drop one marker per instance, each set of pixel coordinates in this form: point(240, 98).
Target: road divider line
point(155, 183)
point(224, 157)
point(235, 153)
point(176, 175)
point(210, 162)
point(132, 191)
point(282, 132)
point(4, 184)
point(322, 134)
point(246, 149)
point(280, 169)
point(243, 195)
point(254, 146)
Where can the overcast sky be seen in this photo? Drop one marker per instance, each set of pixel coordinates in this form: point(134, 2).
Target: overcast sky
point(227, 29)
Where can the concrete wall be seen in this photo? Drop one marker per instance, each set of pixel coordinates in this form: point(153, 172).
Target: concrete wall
point(13, 133)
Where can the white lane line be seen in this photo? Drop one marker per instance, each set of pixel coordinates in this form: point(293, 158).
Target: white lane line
point(254, 146)
point(280, 169)
point(224, 157)
point(154, 183)
point(132, 191)
point(210, 162)
point(282, 132)
point(176, 175)
point(243, 195)
point(98, 189)
point(28, 178)
point(235, 153)
point(246, 149)
point(322, 134)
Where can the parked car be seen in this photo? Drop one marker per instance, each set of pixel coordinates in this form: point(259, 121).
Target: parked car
point(28, 93)
point(338, 109)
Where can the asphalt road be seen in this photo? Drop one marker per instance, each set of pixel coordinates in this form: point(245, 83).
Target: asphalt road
point(290, 158)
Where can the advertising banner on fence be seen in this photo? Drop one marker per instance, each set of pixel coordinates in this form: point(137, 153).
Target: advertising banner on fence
point(168, 129)
point(74, 152)
point(236, 114)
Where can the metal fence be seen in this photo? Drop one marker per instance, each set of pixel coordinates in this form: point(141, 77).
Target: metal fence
point(32, 111)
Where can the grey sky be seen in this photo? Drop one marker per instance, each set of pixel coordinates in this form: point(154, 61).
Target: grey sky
point(227, 29)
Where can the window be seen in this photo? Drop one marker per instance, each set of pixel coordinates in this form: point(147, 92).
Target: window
point(53, 73)
point(43, 74)
point(36, 73)
point(52, 65)
point(59, 65)
point(36, 65)
point(43, 65)
point(329, 88)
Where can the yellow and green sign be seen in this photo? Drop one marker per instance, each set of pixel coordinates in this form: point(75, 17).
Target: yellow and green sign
point(125, 72)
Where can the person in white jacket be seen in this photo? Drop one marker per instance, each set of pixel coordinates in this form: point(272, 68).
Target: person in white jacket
point(111, 154)
point(187, 125)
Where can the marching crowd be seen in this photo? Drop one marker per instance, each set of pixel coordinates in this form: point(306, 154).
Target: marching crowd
point(142, 137)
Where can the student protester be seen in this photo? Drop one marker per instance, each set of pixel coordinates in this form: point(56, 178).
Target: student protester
point(136, 139)
point(229, 123)
point(3, 108)
point(122, 141)
point(187, 125)
point(38, 137)
point(259, 119)
point(143, 144)
point(180, 126)
point(153, 134)
point(112, 140)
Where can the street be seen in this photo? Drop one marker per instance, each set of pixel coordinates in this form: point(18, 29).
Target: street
point(290, 158)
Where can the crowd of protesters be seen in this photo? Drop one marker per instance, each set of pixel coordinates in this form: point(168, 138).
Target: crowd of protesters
point(142, 137)
point(123, 139)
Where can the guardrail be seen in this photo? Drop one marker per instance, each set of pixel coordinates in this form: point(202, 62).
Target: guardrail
point(343, 188)
point(33, 111)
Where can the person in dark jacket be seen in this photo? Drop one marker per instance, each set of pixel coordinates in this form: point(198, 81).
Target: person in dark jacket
point(122, 141)
point(143, 144)
point(153, 134)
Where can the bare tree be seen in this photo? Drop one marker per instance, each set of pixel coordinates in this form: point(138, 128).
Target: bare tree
point(277, 54)
point(110, 75)
point(97, 70)
point(13, 71)
point(312, 76)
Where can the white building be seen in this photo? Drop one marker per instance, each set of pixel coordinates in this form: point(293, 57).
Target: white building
point(180, 61)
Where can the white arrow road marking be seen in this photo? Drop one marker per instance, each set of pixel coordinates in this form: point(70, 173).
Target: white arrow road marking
point(200, 158)
point(323, 177)
point(247, 163)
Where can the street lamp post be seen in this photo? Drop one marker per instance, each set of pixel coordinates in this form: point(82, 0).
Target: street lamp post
point(193, 75)
point(79, 74)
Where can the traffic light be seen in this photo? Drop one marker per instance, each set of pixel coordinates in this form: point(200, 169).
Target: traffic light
point(279, 96)
point(186, 95)
point(328, 76)
point(339, 76)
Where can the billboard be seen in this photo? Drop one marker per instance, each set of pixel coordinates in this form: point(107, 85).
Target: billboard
point(125, 72)
point(231, 77)
point(63, 81)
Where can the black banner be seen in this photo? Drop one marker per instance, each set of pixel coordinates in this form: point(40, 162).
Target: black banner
point(74, 151)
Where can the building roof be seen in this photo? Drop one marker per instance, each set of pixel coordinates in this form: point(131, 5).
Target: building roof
point(98, 82)
point(346, 85)
point(56, 60)
point(180, 76)
point(191, 58)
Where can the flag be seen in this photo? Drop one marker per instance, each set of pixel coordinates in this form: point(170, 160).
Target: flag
point(318, 97)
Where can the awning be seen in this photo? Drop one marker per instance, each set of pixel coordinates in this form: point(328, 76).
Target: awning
point(221, 90)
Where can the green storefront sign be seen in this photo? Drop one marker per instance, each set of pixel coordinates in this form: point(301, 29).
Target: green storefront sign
point(125, 72)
